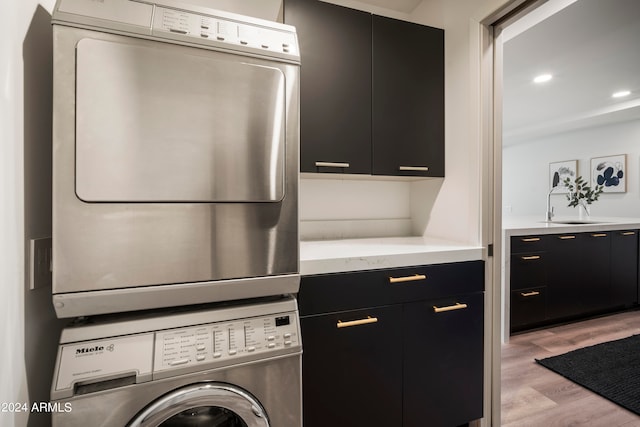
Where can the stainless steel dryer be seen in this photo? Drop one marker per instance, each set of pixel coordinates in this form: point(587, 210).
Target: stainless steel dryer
point(175, 156)
point(237, 366)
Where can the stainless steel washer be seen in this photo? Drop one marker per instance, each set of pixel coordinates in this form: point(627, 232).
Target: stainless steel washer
point(222, 366)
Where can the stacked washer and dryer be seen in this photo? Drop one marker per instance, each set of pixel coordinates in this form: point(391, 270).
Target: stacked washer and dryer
point(175, 216)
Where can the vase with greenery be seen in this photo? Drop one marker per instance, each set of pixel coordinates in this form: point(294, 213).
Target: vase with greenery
point(580, 194)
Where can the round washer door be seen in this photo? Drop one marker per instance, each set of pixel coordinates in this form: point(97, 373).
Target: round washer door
point(203, 404)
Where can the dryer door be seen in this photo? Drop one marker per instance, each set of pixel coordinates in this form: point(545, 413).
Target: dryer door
point(204, 404)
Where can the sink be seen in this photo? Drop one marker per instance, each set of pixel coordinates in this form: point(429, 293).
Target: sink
point(574, 222)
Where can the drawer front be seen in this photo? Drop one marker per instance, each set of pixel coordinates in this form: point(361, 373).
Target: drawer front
point(347, 291)
point(528, 307)
point(528, 243)
point(528, 270)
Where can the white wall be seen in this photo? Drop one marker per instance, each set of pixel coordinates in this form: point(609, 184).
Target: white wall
point(28, 330)
point(526, 170)
point(265, 9)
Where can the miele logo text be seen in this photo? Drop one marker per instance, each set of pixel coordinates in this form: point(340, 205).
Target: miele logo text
point(86, 350)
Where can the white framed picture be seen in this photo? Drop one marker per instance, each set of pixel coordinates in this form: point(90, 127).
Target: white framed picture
point(559, 171)
point(610, 172)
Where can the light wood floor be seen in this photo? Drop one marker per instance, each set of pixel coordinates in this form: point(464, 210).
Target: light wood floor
point(535, 396)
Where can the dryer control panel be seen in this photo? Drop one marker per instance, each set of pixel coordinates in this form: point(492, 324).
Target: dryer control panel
point(202, 28)
point(224, 343)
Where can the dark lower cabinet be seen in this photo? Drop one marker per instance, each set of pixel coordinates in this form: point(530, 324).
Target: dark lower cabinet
point(443, 361)
point(624, 267)
point(579, 274)
point(353, 374)
point(409, 352)
point(566, 276)
point(528, 307)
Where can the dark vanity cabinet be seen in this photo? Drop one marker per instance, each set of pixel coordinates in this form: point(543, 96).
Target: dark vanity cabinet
point(563, 276)
point(371, 92)
point(529, 265)
point(624, 267)
point(393, 347)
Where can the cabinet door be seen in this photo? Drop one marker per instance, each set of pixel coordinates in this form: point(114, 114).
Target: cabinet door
point(352, 375)
point(596, 265)
point(335, 85)
point(443, 361)
point(624, 267)
point(579, 266)
point(565, 276)
point(408, 98)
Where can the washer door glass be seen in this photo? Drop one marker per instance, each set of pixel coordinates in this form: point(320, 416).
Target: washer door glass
point(204, 404)
point(205, 416)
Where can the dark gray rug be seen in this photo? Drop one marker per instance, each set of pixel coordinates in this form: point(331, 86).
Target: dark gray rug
point(611, 369)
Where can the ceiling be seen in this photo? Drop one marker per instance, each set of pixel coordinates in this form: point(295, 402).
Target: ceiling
point(592, 49)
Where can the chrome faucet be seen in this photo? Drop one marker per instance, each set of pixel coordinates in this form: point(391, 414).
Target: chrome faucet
point(549, 207)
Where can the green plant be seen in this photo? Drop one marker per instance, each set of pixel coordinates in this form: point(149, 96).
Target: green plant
point(580, 193)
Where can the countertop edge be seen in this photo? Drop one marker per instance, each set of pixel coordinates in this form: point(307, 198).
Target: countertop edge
point(527, 227)
point(373, 262)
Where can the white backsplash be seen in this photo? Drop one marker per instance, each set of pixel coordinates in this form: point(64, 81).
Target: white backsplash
point(350, 208)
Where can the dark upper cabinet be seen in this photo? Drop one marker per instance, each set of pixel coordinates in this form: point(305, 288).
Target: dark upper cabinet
point(371, 92)
point(335, 85)
point(408, 98)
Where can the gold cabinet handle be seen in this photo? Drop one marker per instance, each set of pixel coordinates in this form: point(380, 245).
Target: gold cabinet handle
point(628, 233)
point(456, 306)
point(332, 165)
point(599, 235)
point(530, 294)
point(414, 168)
point(566, 237)
point(530, 257)
point(413, 278)
point(530, 239)
point(359, 322)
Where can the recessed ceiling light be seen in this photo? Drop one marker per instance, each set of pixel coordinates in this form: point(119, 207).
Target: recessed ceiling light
point(542, 78)
point(621, 94)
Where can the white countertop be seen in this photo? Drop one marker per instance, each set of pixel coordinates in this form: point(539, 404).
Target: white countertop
point(518, 226)
point(333, 256)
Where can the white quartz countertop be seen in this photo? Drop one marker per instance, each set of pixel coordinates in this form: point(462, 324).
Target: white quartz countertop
point(518, 226)
point(333, 256)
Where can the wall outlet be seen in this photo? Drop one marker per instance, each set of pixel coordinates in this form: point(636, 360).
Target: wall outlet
point(39, 263)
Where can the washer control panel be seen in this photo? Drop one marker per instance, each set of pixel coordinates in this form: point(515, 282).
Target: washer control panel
point(224, 341)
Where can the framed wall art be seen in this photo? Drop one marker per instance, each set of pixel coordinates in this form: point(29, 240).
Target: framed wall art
point(610, 172)
point(559, 171)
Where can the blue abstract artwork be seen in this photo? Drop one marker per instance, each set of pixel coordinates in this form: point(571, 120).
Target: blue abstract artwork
point(610, 172)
